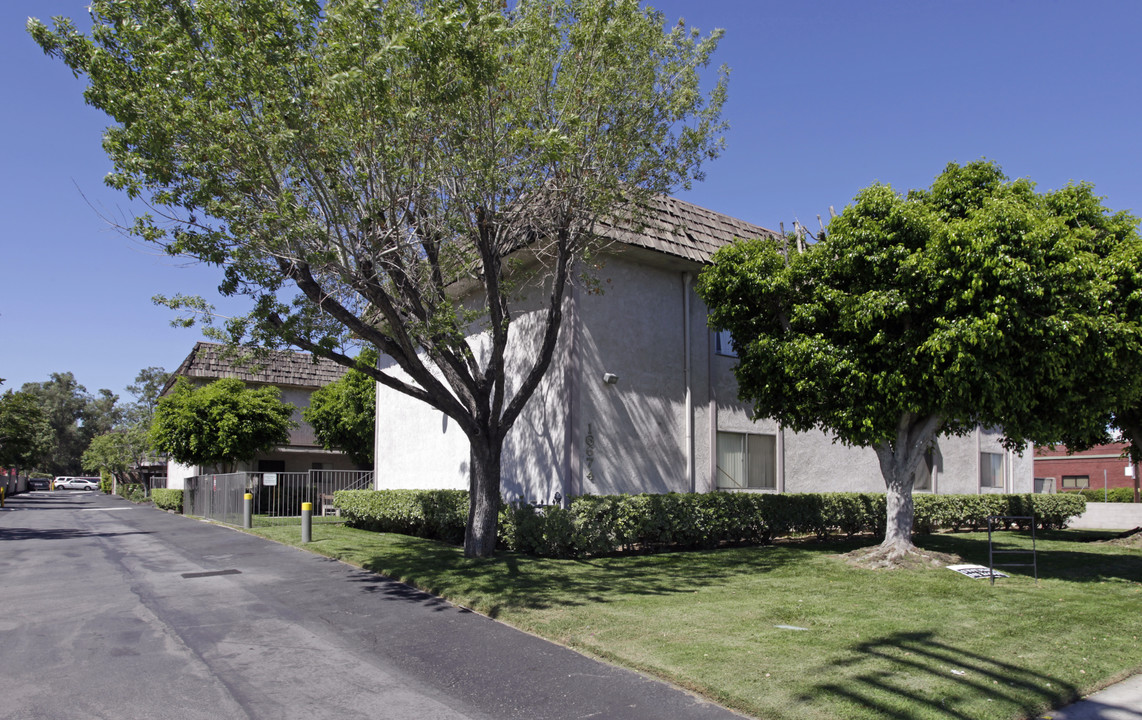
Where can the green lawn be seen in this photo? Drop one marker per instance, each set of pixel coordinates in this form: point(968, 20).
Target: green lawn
point(877, 644)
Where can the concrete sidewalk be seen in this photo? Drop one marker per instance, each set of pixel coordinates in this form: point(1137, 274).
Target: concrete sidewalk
point(1121, 701)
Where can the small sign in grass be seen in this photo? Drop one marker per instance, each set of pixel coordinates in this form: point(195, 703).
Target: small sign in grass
point(977, 572)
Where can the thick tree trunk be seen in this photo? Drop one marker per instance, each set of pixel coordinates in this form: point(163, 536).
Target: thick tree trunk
point(483, 498)
point(899, 462)
point(901, 511)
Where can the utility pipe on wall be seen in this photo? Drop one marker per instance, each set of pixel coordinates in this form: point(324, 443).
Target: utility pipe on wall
point(689, 402)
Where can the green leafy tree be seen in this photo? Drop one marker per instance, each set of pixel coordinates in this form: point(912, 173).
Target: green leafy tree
point(125, 447)
point(344, 413)
point(117, 452)
point(368, 173)
point(146, 389)
point(75, 417)
point(220, 424)
point(978, 302)
point(25, 433)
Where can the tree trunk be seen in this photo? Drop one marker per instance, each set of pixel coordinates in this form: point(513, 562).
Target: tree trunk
point(899, 462)
point(483, 498)
point(901, 509)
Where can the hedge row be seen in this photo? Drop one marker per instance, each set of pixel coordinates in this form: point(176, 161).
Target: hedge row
point(435, 514)
point(166, 499)
point(1112, 495)
point(607, 524)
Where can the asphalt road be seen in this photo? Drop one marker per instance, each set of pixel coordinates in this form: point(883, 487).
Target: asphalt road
point(110, 610)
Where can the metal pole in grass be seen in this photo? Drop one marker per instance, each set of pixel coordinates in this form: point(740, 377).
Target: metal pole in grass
point(306, 522)
point(248, 511)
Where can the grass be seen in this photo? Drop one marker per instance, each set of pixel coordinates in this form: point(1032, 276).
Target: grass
point(876, 644)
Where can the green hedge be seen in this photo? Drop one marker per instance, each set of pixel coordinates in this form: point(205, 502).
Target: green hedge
point(436, 514)
point(167, 499)
point(607, 524)
point(1123, 495)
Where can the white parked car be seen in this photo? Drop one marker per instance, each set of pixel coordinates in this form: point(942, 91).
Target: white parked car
point(78, 483)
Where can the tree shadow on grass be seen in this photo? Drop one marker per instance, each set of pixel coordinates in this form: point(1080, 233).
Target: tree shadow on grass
point(1060, 564)
point(511, 580)
point(908, 675)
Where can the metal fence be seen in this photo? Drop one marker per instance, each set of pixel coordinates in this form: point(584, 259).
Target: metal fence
point(277, 496)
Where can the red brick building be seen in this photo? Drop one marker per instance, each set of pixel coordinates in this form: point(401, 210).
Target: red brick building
point(1085, 469)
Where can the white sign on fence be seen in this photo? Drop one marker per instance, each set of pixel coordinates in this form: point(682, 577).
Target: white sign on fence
point(270, 479)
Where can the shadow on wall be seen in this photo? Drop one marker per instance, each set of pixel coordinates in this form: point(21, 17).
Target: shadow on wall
point(533, 456)
point(637, 426)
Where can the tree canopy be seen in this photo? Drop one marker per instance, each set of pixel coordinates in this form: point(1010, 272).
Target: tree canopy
point(123, 441)
point(357, 168)
point(117, 451)
point(26, 435)
point(344, 413)
point(75, 416)
point(977, 302)
point(220, 424)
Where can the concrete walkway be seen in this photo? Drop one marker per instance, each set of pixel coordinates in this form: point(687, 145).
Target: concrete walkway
point(1122, 701)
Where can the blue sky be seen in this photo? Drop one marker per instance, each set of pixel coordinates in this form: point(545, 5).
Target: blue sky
point(825, 98)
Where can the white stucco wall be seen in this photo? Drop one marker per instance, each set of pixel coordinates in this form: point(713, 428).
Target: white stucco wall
point(177, 473)
point(418, 446)
point(582, 435)
point(634, 330)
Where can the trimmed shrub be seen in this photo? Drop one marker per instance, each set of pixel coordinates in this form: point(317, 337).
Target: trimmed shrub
point(594, 525)
point(166, 499)
point(1122, 495)
point(1055, 511)
point(435, 514)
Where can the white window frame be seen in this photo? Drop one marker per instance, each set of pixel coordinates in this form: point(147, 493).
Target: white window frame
point(759, 442)
point(992, 465)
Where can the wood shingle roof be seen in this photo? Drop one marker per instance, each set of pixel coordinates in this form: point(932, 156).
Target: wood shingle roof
point(283, 368)
point(682, 229)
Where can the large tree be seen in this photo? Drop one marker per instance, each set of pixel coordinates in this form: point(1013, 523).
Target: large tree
point(125, 447)
point(75, 416)
point(367, 171)
point(147, 388)
point(978, 302)
point(220, 424)
point(117, 451)
point(344, 412)
point(26, 435)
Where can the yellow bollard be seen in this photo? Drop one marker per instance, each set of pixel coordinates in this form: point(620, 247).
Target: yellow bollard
point(247, 511)
point(306, 522)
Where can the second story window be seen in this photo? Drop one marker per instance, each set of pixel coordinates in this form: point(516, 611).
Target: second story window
point(724, 344)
